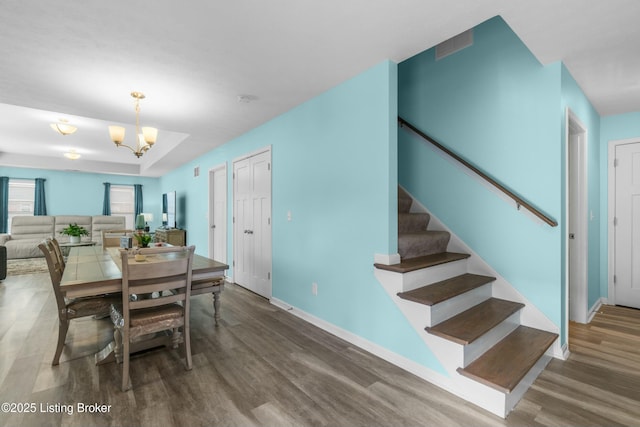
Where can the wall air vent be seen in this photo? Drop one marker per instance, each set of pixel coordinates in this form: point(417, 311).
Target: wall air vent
point(454, 44)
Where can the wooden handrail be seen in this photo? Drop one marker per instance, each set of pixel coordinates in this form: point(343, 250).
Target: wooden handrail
point(520, 202)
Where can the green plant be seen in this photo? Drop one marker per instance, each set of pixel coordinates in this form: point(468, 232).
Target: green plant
point(75, 230)
point(143, 239)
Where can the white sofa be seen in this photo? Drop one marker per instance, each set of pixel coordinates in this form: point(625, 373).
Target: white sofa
point(28, 231)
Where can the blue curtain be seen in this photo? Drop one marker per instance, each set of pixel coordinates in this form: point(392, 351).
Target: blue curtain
point(106, 202)
point(39, 201)
point(4, 203)
point(137, 199)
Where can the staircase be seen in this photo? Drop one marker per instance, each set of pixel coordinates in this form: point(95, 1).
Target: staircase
point(490, 356)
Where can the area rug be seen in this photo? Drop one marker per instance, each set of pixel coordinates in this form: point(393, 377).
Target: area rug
point(17, 267)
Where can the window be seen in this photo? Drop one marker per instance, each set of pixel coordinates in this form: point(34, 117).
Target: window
point(122, 203)
point(21, 195)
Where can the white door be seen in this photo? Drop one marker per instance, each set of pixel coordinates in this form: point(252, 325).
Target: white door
point(252, 223)
point(627, 225)
point(577, 226)
point(218, 213)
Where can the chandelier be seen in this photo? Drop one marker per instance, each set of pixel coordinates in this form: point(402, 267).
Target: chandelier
point(145, 137)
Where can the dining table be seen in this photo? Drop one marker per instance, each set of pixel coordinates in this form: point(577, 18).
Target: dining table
point(94, 270)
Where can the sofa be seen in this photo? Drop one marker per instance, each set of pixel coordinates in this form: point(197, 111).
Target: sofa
point(28, 231)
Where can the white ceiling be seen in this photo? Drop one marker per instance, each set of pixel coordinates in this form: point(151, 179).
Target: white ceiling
point(81, 60)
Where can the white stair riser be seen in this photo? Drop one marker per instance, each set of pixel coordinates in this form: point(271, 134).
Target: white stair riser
point(456, 305)
point(426, 276)
point(491, 338)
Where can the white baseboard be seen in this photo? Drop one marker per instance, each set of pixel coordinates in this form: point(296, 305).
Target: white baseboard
point(593, 310)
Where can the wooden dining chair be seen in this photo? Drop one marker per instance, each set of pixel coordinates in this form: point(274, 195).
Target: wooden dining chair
point(58, 251)
point(111, 238)
point(165, 273)
point(69, 309)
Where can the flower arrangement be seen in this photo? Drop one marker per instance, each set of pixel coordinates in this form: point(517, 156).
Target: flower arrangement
point(142, 238)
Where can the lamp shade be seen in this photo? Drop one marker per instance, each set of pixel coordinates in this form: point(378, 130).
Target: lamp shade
point(140, 222)
point(150, 135)
point(147, 216)
point(117, 134)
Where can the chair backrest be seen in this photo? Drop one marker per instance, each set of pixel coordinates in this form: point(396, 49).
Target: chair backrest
point(166, 270)
point(55, 272)
point(58, 251)
point(111, 238)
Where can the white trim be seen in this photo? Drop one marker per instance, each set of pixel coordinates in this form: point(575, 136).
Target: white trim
point(594, 309)
point(583, 227)
point(611, 212)
point(386, 259)
point(212, 172)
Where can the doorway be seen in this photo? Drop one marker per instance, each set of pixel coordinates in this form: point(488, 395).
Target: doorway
point(577, 225)
point(252, 222)
point(218, 213)
point(624, 222)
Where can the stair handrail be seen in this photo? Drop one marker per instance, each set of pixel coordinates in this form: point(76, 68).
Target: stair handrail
point(520, 202)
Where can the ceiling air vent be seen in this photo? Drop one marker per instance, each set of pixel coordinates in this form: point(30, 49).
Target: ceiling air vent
point(454, 44)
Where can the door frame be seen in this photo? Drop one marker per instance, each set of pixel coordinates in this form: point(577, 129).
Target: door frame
point(611, 209)
point(573, 126)
point(266, 149)
point(212, 172)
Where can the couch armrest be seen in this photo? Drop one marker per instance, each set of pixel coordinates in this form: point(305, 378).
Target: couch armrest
point(4, 238)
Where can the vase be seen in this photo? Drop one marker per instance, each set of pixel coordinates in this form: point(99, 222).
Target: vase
point(74, 239)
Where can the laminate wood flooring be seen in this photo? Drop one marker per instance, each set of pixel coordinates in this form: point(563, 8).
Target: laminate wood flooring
point(264, 367)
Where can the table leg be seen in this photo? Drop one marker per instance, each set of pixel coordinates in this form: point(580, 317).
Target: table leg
point(216, 306)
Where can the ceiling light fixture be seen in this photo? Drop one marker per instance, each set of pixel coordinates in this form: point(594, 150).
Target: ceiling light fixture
point(63, 127)
point(71, 154)
point(144, 139)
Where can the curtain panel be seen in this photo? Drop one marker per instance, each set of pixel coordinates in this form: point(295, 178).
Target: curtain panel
point(137, 194)
point(40, 201)
point(106, 201)
point(4, 204)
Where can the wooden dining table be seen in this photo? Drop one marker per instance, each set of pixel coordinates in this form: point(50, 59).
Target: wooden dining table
point(94, 270)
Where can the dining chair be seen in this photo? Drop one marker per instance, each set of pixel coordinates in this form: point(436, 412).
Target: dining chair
point(111, 238)
point(69, 309)
point(58, 252)
point(164, 273)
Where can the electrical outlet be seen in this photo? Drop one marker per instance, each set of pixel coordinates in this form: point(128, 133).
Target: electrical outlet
point(314, 288)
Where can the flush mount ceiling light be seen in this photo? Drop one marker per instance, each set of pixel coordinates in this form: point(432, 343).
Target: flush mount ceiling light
point(145, 137)
point(63, 127)
point(71, 154)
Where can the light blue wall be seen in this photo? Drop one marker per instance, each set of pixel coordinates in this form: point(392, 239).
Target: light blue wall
point(574, 99)
point(80, 193)
point(335, 168)
point(496, 105)
point(613, 128)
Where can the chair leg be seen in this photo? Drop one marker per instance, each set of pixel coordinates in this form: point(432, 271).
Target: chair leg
point(63, 327)
point(187, 346)
point(126, 384)
point(117, 338)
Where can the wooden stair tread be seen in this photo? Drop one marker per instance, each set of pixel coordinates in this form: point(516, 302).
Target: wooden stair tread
point(412, 264)
point(471, 324)
point(446, 289)
point(506, 363)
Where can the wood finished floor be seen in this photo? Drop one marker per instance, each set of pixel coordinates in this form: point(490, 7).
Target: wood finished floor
point(265, 367)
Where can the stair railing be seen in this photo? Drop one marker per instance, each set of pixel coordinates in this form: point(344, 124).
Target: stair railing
point(520, 202)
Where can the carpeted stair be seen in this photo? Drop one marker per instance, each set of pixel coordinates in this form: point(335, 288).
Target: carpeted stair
point(414, 240)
